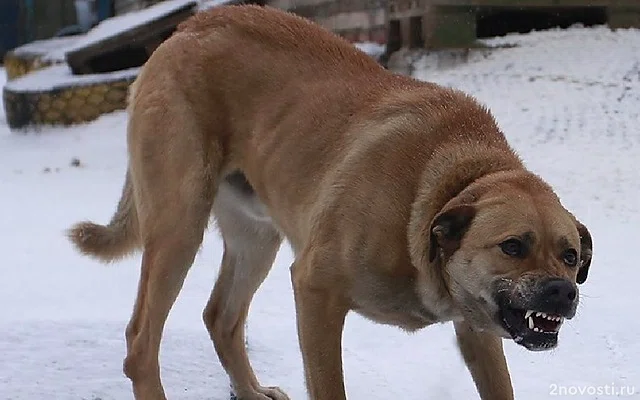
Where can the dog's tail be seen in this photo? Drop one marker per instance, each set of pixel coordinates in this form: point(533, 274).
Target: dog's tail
point(114, 241)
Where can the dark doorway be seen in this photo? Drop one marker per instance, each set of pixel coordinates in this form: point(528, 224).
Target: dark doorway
point(394, 41)
point(500, 21)
point(416, 39)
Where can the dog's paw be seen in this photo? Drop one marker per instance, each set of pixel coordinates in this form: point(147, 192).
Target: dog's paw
point(265, 393)
point(273, 393)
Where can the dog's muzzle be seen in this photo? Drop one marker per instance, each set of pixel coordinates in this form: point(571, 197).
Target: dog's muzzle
point(533, 313)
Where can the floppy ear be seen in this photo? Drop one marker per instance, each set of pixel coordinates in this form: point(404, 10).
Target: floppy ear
point(448, 228)
point(586, 251)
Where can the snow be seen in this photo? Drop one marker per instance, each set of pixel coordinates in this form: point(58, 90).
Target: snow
point(60, 76)
point(131, 20)
point(52, 49)
point(207, 4)
point(55, 49)
point(373, 49)
point(567, 100)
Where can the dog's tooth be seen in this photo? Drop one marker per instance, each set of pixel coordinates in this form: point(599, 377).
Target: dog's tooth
point(535, 329)
point(531, 324)
point(538, 314)
point(528, 314)
point(544, 315)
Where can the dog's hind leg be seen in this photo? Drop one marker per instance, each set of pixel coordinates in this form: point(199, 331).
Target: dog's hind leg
point(250, 247)
point(174, 180)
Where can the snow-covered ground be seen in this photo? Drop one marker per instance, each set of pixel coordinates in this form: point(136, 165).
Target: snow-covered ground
point(569, 101)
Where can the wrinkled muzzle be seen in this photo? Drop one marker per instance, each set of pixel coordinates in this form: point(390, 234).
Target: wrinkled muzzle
point(532, 310)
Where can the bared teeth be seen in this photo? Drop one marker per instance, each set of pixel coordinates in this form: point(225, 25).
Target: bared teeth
point(529, 314)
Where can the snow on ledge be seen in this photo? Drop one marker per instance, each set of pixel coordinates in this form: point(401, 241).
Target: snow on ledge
point(207, 4)
point(61, 77)
point(53, 49)
point(115, 25)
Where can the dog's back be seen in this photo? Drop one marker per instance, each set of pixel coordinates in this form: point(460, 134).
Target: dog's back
point(274, 124)
point(278, 32)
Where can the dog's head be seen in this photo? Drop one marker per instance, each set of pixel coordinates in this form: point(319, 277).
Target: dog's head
point(512, 257)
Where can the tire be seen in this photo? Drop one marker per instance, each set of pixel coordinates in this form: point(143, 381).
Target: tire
point(19, 65)
point(36, 55)
point(52, 96)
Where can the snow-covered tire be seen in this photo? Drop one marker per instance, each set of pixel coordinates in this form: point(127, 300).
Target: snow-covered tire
point(36, 55)
point(18, 65)
point(52, 96)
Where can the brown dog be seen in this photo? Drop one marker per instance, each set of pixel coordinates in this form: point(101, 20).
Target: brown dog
point(401, 199)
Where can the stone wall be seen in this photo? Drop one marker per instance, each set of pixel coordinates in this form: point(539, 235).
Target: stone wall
point(356, 20)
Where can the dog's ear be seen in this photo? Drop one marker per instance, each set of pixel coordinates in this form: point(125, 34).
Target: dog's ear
point(586, 252)
point(448, 228)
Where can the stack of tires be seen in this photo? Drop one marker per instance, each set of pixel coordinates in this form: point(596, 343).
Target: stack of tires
point(52, 96)
point(41, 89)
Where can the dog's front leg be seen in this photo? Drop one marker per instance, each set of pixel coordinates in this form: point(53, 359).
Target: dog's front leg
point(320, 313)
point(484, 356)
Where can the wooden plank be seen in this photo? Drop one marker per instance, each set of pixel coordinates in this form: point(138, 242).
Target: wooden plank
point(405, 32)
point(452, 23)
point(142, 36)
point(449, 27)
point(536, 3)
point(416, 12)
point(329, 8)
point(620, 17)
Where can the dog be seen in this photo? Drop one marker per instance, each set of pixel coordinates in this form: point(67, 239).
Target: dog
point(402, 201)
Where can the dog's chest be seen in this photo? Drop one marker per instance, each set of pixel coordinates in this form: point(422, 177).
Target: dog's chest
point(392, 302)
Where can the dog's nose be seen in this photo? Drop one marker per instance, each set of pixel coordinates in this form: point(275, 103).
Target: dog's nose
point(559, 293)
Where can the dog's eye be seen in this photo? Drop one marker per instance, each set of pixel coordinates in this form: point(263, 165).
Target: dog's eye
point(570, 257)
point(513, 248)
